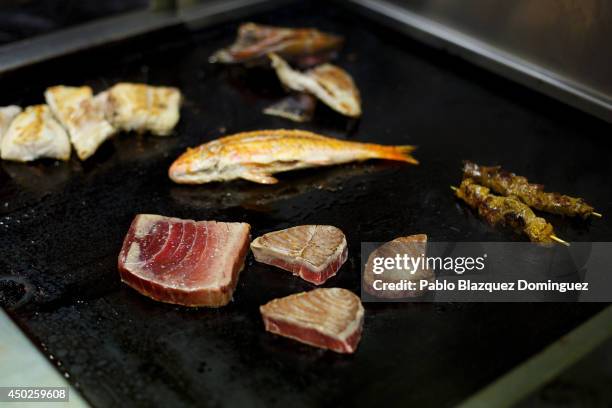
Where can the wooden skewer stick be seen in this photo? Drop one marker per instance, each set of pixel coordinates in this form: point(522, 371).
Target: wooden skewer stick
point(454, 188)
point(596, 214)
point(559, 240)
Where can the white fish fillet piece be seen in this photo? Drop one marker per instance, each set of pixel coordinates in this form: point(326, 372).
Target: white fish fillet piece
point(7, 114)
point(35, 134)
point(328, 82)
point(143, 108)
point(83, 116)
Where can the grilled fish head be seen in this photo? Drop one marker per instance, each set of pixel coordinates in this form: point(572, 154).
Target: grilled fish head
point(196, 166)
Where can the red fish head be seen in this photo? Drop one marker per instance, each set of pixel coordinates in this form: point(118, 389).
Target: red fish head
point(195, 166)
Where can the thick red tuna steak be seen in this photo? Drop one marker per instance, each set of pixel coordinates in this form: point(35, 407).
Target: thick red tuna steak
point(329, 318)
point(312, 252)
point(183, 261)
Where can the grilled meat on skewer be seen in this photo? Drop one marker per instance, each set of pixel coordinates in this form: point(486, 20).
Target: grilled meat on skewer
point(509, 184)
point(505, 211)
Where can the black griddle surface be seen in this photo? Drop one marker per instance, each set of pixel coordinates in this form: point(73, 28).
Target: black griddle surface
point(62, 225)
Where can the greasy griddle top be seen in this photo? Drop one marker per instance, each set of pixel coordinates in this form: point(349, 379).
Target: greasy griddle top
point(63, 223)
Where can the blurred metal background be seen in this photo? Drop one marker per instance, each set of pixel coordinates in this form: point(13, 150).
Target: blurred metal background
point(21, 19)
point(560, 47)
point(571, 38)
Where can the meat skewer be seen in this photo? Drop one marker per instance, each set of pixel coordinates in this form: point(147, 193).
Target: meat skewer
point(506, 211)
point(510, 184)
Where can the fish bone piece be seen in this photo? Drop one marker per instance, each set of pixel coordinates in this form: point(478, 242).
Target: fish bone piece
point(7, 114)
point(313, 252)
point(328, 318)
point(142, 108)
point(256, 155)
point(329, 83)
point(34, 134)
point(298, 107)
point(185, 262)
point(83, 116)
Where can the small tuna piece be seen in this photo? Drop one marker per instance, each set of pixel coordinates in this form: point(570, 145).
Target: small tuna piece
point(414, 246)
point(329, 318)
point(184, 262)
point(34, 134)
point(142, 108)
point(312, 252)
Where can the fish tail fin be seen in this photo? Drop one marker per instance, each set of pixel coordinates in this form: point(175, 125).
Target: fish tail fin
point(398, 153)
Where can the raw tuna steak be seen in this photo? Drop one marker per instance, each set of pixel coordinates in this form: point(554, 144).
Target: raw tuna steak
point(326, 318)
point(183, 261)
point(312, 252)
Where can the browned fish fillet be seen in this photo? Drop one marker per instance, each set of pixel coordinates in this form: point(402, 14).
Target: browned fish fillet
point(306, 46)
point(329, 83)
point(326, 318)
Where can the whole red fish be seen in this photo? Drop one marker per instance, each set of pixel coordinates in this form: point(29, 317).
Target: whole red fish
point(255, 156)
